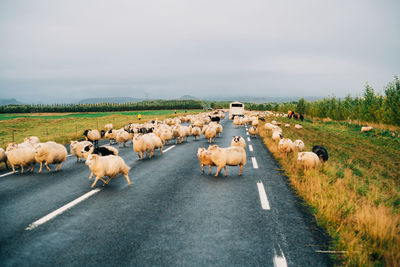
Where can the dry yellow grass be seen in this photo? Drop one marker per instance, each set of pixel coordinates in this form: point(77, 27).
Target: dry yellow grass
point(355, 195)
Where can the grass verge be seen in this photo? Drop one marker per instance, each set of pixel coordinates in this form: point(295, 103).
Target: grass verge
point(356, 194)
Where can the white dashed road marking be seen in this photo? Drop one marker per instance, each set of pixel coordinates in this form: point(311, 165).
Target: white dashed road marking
point(248, 139)
point(59, 211)
point(69, 155)
point(255, 165)
point(247, 133)
point(250, 147)
point(8, 173)
point(168, 148)
point(263, 196)
point(280, 261)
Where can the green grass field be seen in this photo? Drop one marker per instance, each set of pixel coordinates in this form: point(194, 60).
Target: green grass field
point(355, 195)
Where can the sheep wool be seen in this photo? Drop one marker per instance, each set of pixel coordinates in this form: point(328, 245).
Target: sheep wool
point(298, 126)
point(76, 149)
point(366, 128)
point(308, 160)
point(299, 145)
point(286, 146)
point(50, 153)
point(109, 166)
point(204, 159)
point(231, 156)
point(3, 157)
point(253, 131)
point(276, 136)
point(143, 143)
point(123, 137)
point(24, 156)
point(210, 134)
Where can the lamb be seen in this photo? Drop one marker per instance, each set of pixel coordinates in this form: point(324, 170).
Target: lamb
point(109, 166)
point(3, 157)
point(204, 159)
point(308, 160)
point(23, 156)
point(210, 134)
point(321, 152)
point(253, 131)
point(166, 135)
point(92, 136)
point(123, 137)
point(254, 122)
point(76, 149)
point(231, 156)
point(298, 127)
point(287, 125)
point(299, 145)
point(238, 141)
point(276, 136)
point(286, 146)
point(366, 128)
point(50, 153)
point(143, 143)
point(268, 126)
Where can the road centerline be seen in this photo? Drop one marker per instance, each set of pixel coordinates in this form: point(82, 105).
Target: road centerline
point(250, 147)
point(61, 210)
point(263, 196)
point(168, 148)
point(8, 173)
point(254, 161)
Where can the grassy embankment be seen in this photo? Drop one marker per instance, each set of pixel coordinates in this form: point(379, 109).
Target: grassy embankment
point(65, 127)
point(356, 194)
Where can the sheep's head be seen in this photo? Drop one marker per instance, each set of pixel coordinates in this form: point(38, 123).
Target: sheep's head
point(85, 133)
point(213, 148)
point(88, 149)
point(102, 133)
point(91, 159)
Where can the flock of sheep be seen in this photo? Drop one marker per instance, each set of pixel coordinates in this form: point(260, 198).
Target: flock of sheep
point(104, 160)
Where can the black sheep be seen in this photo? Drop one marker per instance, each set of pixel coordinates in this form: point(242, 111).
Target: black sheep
point(101, 150)
point(321, 152)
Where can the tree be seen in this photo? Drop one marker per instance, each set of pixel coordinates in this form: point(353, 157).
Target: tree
point(301, 106)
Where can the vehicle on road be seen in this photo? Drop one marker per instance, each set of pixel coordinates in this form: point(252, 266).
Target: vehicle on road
point(236, 109)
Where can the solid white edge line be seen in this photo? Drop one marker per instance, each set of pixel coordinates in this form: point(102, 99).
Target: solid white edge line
point(263, 196)
point(254, 161)
point(69, 155)
point(8, 173)
point(248, 139)
point(168, 148)
point(280, 261)
point(250, 147)
point(59, 211)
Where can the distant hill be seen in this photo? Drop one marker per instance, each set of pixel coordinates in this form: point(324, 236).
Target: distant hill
point(11, 101)
point(109, 100)
point(260, 100)
point(188, 97)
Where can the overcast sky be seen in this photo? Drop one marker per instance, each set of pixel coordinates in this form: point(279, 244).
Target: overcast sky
point(53, 50)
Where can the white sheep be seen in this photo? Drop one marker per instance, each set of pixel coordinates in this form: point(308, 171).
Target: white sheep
point(231, 156)
point(108, 126)
point(210, 133)
point(50, 153)
point(268, 126)
point(287, 125)
point(92, 135)
point(32, 140)
point(76, 149)
point(276, 136)
point(238, 141)
point(286, 146)
point(23, 156)
point(298, 127)
point(143, 143)
point(299, 145)
point(3, 157)
point(109, 166)
point(196, 132)
point(308, 160)
point(205, 159)
point(123, 137)
point(366, 128)
point(253, 131)
point(219, 129)
point(157, 142)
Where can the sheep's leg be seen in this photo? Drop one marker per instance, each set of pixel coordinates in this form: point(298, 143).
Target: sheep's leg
point(141, 155)
point(95, 181)
point(162, 152)
point(226, 171)
point(241, 169)
point(12, 166)
point(127, 179)
point(151, 153)
point(40, 168)
point(202, 168)
point(5, 162)
point(218, 170)
point(209, 172)
point(108, 180)
point(22, 169)
point(47, 166)
point(91, 176)
point(77, 159)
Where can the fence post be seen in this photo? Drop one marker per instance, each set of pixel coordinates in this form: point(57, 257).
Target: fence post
point(47, 132)
point(76, 130)
point(13, 136)
point(97, 124)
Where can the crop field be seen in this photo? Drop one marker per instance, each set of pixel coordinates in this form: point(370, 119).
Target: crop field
point(355, 195)
point(62, 128)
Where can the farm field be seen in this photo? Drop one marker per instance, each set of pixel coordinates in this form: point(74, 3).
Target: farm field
point(355, 195)
point(61, 127)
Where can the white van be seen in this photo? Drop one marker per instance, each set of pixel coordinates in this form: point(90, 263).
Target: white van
point(236, 109)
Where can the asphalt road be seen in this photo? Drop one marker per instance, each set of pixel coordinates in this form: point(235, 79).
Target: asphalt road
point(171, 215)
